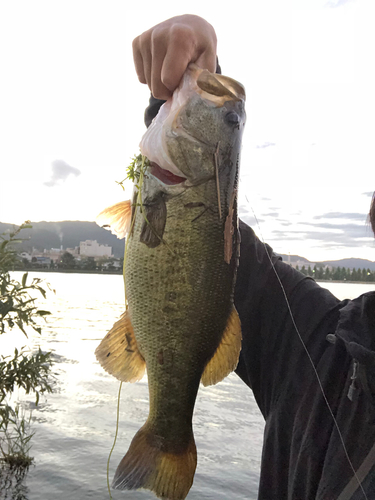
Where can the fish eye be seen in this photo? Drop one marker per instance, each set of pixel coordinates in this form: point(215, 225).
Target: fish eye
point(232, 118)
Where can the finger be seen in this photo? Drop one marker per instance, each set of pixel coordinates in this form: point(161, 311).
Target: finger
point(207, 60)
point(142, 57)
point(138, 60)
point(180, 52)
point(159, 90)
point(147, 65)
point(173, 70)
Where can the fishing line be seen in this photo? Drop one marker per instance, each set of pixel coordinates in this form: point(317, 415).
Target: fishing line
point(115, 439)
point(120, 387)
point(309, 356)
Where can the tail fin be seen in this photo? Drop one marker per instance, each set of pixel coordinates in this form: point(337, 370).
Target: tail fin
point(168, 475)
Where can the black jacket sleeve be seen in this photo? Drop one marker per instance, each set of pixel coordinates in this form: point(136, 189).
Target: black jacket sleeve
point(276, 304)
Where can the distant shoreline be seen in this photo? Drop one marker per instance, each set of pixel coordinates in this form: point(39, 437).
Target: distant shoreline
point(70, 271)
point(119, 273)
point(347, 281)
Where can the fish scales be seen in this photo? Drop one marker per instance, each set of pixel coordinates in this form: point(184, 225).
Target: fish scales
point(167, 306)
point(180, 267)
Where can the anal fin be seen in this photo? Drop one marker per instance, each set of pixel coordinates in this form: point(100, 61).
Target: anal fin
point(118, 352)
point(225, 359)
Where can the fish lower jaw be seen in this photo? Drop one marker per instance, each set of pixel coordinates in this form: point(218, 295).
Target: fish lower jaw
point(165, 176)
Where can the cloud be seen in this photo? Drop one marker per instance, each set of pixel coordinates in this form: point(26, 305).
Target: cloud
point(284, 222)
point(327, 235)
point(250, 220)
point(337, 3)
point(350, 229)
point(342, 215)
point(271, 214)
point(266, 145)
point(60, 172)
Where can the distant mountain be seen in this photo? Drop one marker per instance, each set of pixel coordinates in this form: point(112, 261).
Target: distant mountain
point(352, 263)
point(294, 258)
point(47, 235)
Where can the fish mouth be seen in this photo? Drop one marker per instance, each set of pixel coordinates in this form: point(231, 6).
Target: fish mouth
point(165, 176)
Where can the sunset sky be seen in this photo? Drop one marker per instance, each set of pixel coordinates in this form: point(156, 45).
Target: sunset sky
point(71, 112)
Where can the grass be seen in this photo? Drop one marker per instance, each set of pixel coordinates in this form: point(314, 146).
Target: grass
point(15, 437)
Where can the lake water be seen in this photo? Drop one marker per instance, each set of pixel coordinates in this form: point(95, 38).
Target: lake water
point(75, 425)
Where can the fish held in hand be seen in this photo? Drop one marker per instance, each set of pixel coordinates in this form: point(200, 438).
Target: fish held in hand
point(181, 257)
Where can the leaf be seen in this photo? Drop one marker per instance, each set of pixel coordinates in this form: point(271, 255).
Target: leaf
point(24, 278)
point(42, 313)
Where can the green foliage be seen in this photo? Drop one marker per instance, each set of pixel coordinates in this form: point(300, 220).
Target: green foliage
point(15, 439)
point(67, 261)
point(25, 370)
point(8, 255)
point(137, 166)
point(17, 305)
point(88, 264)
point(29, 372)
point(339, 274)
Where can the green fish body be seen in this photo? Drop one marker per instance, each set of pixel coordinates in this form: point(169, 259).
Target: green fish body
point(180, 268)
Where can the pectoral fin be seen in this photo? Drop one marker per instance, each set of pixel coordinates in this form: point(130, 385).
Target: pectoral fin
point(156, 217)
point(225, 359)
point(117, 218)
point(118, 352)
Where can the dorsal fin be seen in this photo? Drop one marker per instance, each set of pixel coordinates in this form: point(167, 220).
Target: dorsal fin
point(116, 218)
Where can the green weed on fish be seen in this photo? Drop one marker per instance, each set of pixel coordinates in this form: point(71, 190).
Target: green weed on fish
point(135, 170)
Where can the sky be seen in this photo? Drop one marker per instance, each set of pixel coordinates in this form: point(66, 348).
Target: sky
point(71, 112)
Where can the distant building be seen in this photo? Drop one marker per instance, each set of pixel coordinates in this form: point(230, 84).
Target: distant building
point(45, 261)
point(74, 251)
point(54, 253)
point(115, 264)
point(91, 248)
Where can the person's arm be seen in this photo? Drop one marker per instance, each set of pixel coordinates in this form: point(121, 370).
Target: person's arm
point(265, 289)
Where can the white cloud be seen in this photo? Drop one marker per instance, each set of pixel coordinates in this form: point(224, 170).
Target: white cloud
point(338, 3)
point(60, 172)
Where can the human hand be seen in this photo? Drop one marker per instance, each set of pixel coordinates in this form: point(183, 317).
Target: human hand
point(162, 54)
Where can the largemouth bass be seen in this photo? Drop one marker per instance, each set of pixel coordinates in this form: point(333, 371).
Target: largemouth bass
point(181, 257)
